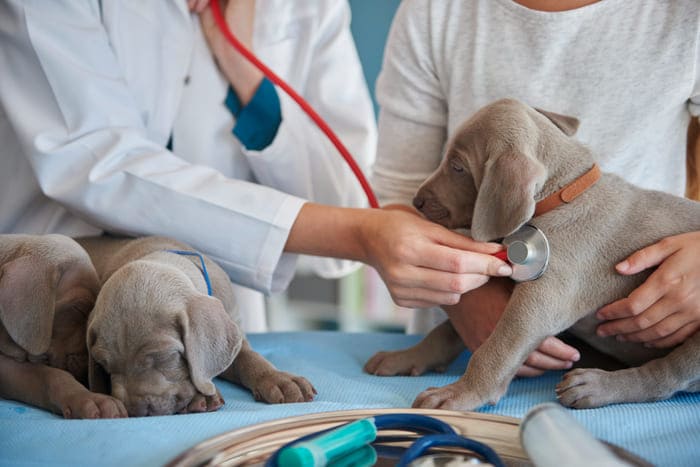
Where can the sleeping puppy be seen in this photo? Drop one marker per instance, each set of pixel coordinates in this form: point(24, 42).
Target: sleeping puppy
point(501, 164)
point(156, 337)
point(47, 289)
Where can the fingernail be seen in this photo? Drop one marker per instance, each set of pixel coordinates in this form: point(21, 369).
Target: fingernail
point(505, 270)
point(601, 332)
point(600, 315)
point(577, 357)
point(569, 365)
point(623, 266)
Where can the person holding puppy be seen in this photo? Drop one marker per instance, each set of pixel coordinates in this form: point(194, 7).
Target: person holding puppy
point(627, 71)
point(139, 119)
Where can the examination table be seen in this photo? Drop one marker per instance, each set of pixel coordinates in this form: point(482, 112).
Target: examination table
point(664, 433)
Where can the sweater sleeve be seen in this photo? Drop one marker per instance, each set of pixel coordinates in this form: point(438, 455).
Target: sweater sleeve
point(694, 100)
point(413, 111)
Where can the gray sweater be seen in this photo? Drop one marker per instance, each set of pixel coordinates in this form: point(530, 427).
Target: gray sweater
point(628, 69)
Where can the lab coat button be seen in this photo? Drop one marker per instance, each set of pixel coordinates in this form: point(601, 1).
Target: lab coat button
point(187, 80)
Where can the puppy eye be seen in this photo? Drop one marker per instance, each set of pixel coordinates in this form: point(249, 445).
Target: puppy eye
point(456, 167)
point(165, 359)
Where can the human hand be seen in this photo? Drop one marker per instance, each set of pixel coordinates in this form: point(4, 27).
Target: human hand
point(477, 313)
point(665, 309)
point(423, 263)
point(239, 15)
point(197, 6)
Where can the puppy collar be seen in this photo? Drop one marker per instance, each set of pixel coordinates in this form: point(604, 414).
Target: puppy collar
point(569, 192)
point(205, 273)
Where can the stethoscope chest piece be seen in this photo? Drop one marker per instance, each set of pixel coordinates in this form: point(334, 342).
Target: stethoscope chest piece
point(528, 253)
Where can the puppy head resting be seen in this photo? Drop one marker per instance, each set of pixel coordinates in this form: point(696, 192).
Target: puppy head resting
point(157, 339)
point(47, 289)
point(498, 164)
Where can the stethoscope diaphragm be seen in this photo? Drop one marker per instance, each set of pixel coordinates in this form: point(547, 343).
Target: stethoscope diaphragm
point(528, 253)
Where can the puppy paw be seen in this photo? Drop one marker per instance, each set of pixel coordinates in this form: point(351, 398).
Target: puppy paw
point(586, 388)
point(279, 387)
point(455, 396)
point(201, 403)
point(86, 404)
point(407, 362)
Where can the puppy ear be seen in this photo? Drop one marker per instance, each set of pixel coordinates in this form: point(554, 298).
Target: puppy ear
point(567, 124)
point(98, 379)
point(506, 196)
point(212, 340)
point(27, 301)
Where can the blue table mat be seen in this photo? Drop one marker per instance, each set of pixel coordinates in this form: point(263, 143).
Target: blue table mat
point(664, 433)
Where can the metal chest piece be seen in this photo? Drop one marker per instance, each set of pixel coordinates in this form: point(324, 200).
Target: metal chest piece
point(528, 253)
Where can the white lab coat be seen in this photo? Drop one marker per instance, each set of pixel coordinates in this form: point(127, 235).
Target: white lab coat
point(90, 93)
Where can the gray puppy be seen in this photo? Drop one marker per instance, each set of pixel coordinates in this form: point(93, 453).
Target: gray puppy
point(158, 339)
point(47, 289)
point(499, 164)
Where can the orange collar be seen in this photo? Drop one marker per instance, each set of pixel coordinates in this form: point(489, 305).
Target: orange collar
point(569, 192)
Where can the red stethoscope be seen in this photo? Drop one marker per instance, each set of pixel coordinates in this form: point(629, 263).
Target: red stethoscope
point(527, 250)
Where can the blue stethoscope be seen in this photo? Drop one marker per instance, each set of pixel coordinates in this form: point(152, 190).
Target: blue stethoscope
point(350, 444)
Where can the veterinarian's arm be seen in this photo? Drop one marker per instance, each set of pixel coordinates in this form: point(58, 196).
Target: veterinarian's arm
point(283, 147)
point(422, 263)
point(92, 152)
point(665, 310)
point(243, 75)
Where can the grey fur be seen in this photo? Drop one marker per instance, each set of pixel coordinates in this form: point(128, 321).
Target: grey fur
point(500, 162)
point(47, 290)
point(159, 339)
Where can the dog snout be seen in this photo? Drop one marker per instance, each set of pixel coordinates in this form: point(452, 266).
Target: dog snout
point(431, 208)
point(152, 405)
point(418, 202)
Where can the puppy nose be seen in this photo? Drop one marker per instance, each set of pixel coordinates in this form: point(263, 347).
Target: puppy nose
point(418, 202)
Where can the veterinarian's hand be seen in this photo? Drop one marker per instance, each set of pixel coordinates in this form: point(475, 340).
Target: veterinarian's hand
point(478, 312)
point(665, 310)
point(424, 264)
point(239, 14)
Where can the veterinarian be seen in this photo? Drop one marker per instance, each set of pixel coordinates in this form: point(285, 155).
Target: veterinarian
point(137, 118)
point(629, 71)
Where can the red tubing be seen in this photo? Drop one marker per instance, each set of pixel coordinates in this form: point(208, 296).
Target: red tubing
point(223, 27)
point(502, 255)
point(306, 107)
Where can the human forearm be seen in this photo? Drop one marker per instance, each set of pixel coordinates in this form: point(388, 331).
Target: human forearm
point(243, 76)
point(421, 262)
point(322, 230)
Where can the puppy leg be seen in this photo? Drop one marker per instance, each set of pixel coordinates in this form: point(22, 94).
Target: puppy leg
point(658, 379)
point(267, 384)
point(54, 390)
point(437, 350)
point(524, 324)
